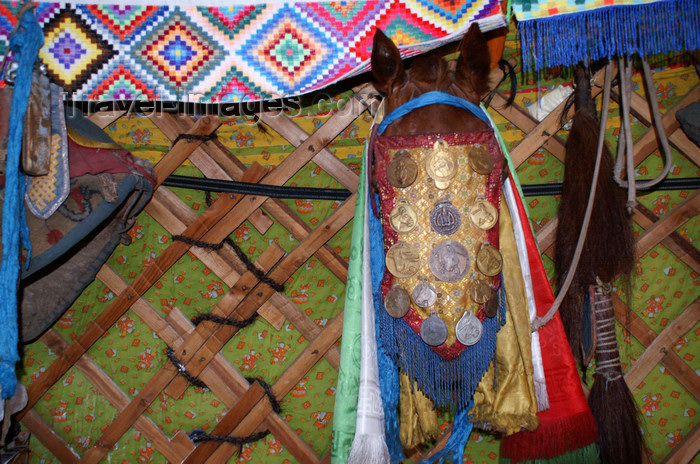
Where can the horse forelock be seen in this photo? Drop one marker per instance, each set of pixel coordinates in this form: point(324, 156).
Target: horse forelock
point(432, 73)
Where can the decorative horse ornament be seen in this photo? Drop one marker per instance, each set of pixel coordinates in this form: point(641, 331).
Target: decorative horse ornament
point(448, 289)
point(442, 302)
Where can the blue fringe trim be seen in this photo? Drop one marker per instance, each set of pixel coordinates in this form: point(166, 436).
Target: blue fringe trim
point(647, 29)
point(450, 384)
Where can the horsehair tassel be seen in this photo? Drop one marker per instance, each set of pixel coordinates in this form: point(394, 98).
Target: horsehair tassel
point(582, 129)
point(608, 249)
point(610, 399)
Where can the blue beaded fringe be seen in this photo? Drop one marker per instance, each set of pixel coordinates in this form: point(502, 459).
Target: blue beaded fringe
point(646, 29)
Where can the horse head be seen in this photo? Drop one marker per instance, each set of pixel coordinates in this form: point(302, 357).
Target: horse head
point(466, 79)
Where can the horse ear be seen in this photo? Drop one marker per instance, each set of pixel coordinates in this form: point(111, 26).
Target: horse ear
point(387, 66)
point(474, 64)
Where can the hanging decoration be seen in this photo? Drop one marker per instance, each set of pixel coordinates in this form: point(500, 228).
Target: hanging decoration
point(561, 32)
point(233, 51)
point(25, 43)
point(593, 212)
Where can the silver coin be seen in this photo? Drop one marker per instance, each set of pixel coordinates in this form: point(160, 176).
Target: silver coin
point(397, 302)
point(469, 328)
point(424, 295)
point(433, 331)
point(445, 218)
point(449, 261)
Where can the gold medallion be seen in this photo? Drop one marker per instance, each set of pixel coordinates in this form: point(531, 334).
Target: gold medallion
point(402, 260)
point(489, 260)
point(402, 170)
point(441, 165)
point(403, 217)
point(480, 160)
point(479, 292)
point(491, 306)
point(442, 185)
point(483, 214)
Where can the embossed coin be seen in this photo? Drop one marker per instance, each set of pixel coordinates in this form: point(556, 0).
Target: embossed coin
point(489, 260)
point(433, 331)
point(479, 160)
point(402, 170)
point(445, 218)
point(491, 306)
point(442, 185)
point(397, 302)
point(424, 295)
point(483, 214)
point(402, 260)
point(403, 217)
point(441, 165)
point(449, 261)
point(468, 330)
point(479, 292)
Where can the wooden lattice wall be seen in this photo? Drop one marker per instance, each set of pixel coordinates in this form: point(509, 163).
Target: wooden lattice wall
point(247, 409)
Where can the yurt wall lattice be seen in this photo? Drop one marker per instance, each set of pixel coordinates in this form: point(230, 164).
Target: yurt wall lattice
point(310, 333)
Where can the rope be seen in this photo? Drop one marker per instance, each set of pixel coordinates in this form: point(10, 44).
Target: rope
point(249, 265)
point(274, 403)
point(508, 72)
point(626, 143)
point(625, 147)
point(538, 322)
point(605, 330)
point(249, 188)
point(198, 243)
point(199, 435)
point(224, 320)
point(182, 370)
point(195, 137)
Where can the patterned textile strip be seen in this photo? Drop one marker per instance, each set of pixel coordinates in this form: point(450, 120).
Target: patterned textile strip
point(232, 52)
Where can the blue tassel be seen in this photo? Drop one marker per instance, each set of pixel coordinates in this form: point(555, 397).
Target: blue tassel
point(389, 378)
point(647, 29)
point(450, 384)
point(25, 44)
point(461, 430)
